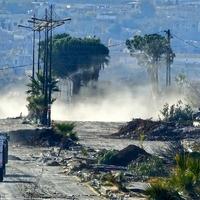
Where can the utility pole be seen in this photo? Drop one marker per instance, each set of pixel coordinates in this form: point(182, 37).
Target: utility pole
point(33, 71)
point(46, 81)
point(39, 49)
point(168, 58)
point(47, 25)
point(50, 66)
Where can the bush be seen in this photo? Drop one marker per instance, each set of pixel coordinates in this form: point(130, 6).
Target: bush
point(185, 179)
point(179, 113)
point(66, 130)
point(153, 166)
point(160, 191)
point(106, 156)
point(186, 175)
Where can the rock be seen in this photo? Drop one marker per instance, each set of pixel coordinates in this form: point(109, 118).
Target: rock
point(11, 157)
point(104, 190)
point(76, 165)
point(127, 155)
point(52, 163)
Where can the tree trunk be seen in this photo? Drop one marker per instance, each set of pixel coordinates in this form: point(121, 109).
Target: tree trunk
point(154, 79)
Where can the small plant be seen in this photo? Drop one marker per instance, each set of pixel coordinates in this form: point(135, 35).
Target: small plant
point(186, 176)
point(106, 156)
point(185, 180)
point(66, 130)
point(179, 113)
point(84, 151)
point(153, 167)
point(142, 138)
point(160, 191)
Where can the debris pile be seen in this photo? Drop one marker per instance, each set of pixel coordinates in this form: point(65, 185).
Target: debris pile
point(155, 130)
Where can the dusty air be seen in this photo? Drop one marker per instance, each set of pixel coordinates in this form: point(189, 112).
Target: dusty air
point(100, 99)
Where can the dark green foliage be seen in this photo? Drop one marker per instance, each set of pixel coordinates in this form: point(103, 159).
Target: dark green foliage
point(158, 191)
point(67, 130)
point(179, 113)
point(185, 180)
point(81, 59)
point(186, 176)
point(106, 157)
point(149, 49)
point(152, 46)
point(36, 99)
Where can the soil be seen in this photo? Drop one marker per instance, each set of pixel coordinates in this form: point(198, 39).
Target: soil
point(155, 131)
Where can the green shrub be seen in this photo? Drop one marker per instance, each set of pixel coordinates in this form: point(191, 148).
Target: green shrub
point(153, 166)
point(179, 113)
point(160, 191)
point(67, 130)
point(186, 176)
point(185, 179)
point(106, 156)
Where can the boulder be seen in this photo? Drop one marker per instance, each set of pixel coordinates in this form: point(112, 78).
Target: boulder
point(127, 155)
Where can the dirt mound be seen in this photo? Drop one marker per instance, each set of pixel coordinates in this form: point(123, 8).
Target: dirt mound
point(43, 137)
point(156, 130)
point(127, 155)
point(151, 130)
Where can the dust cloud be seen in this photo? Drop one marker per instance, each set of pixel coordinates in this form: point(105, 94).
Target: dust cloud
point(13, 102)
point(117, 104)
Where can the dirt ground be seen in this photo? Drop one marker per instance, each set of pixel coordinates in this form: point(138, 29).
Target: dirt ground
point(27, 179)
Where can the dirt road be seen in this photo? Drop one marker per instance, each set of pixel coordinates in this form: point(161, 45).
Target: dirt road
point(27, 179)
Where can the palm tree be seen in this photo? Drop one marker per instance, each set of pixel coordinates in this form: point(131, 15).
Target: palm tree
point(36, 98)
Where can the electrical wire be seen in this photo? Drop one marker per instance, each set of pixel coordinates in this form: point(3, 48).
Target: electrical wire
point(19, 66)
point(186, 42)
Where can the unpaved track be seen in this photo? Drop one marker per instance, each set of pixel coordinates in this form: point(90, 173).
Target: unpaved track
point(28, 180)
point(92, 134)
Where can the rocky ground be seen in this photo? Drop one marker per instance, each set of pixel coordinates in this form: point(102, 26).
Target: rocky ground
point(37, 172)
point(29, 178)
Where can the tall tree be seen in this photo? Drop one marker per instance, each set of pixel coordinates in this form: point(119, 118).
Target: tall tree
point(149, 51)
point(36, 99)
point(81, 59)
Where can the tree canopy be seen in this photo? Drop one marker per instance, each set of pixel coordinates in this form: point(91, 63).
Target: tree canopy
point(149, 51)
point(81, 59)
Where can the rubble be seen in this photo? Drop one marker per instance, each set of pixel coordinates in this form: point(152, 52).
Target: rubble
point(12, 157)
point(155, 130)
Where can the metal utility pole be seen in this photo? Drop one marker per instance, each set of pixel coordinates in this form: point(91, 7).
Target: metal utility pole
point(168, 58)
point(33, 71)
point(50, 67)
point(47, 25)
point(39, 49)
point(45, 70)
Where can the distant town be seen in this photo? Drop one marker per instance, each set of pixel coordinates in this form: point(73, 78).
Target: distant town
point(112, 22)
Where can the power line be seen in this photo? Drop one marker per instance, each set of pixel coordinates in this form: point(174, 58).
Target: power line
point(19, 66)
point(186, 42)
